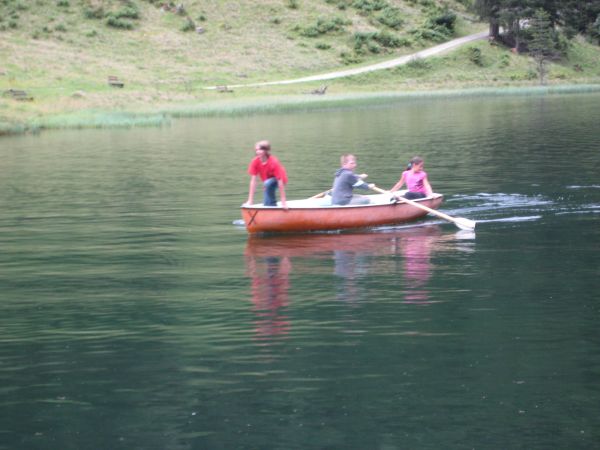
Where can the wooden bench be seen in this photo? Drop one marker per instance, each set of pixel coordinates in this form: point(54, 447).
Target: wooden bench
point(223, 89)
point(319, 91)
point(115, 82)
point(17, 94)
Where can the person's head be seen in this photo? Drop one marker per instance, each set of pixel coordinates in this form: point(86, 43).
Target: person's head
point(348, 161)
point(262, 148)
point(416, 163)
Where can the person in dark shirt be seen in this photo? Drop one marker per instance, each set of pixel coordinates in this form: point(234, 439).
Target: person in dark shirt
point(345, 181)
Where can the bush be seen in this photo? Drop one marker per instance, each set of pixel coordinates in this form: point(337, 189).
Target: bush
point(368, 6)
point(293, 4)
point(322, 46)
point(349, 58)
point(446, 19)
point(594, 30)
point(475, 56)
point(389, 40)
point(129, 12)
point(418, 64)
point(93, 12)
point(189, 25)
point(117, 22)
point(390, 17)
point(63, 3)
point(324, 26)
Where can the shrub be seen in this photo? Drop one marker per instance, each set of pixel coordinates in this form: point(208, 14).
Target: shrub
point(189, 25)
point(117, 22)
point(324, 26)
point(446, 19)
point(60, 27)
point(388, 39)
point(390, 17)
point(361, 40)
point(475, 56)
point(594, 30)
point(505, 60)
point(63, 3)
point(293, 4)
point(368, 6)
point(322, 46)
point(129, 12)
point(349, 58)
point(429, 34)
point(418, 64)
point(94, 12)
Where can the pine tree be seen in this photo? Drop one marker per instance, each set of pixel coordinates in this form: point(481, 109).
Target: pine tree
point(542, 46)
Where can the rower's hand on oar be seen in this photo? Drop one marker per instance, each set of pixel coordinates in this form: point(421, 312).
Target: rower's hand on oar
point(371, 185)
point(362, 176)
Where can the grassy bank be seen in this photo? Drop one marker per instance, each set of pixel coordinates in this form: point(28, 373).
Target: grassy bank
point(273, 104)
point(61, 52)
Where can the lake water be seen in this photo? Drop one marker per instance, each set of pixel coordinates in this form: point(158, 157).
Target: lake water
point(136, 314)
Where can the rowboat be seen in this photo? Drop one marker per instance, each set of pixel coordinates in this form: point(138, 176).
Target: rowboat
point(317, 214)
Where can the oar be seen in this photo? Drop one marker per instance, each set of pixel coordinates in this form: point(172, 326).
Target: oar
point(460, 222)
point(320, 195)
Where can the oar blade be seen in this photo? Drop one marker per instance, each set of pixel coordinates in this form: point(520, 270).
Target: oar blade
point(464, 224)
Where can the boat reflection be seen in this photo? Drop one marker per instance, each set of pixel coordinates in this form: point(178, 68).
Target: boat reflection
point(270, 260)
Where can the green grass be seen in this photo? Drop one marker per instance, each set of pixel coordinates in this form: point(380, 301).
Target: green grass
point(63, 59)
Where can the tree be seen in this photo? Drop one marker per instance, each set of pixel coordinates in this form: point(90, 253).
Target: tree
point(542, 45)
point(578, 16)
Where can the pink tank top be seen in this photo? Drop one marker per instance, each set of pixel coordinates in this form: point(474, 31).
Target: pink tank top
point(414, 181)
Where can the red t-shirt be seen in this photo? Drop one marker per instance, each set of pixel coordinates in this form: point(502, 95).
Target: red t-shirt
point(271, 168)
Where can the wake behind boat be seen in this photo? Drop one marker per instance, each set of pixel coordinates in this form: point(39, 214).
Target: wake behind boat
point(317, 214)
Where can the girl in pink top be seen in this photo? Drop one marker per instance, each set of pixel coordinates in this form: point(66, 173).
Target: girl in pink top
point(416, 180)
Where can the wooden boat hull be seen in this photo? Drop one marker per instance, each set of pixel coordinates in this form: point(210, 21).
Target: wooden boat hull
point(261, 219)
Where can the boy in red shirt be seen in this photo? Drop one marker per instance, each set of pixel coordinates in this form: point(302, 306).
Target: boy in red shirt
point(271, 172)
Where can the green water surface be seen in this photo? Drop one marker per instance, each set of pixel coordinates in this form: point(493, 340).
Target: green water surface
point(136, 314)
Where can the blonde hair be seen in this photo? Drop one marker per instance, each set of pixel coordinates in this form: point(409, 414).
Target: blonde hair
point(264, 145)
point(345, 157)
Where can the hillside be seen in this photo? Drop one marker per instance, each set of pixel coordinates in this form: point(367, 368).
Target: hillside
point(61, 52)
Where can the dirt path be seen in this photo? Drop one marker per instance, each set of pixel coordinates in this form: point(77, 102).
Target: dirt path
point(379, 66)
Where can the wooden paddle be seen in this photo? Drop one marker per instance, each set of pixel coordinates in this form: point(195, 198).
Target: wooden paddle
point(460, 222)
point(320, 195)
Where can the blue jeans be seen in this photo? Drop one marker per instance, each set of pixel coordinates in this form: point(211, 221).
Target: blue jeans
point(270, 186)
point(414, 195)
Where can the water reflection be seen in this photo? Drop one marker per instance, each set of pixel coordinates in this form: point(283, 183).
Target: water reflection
point(270, 286)
point(349, 258)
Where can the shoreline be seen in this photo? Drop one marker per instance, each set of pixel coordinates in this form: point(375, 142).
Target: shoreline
point(267, 104)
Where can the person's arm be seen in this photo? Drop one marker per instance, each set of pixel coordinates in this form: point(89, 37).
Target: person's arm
point(251, 190)
point(399, 184)
point(427, 186)
point(282, 194)
point(360, 184)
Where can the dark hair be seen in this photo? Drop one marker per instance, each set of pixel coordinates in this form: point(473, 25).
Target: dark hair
point(413, 161)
